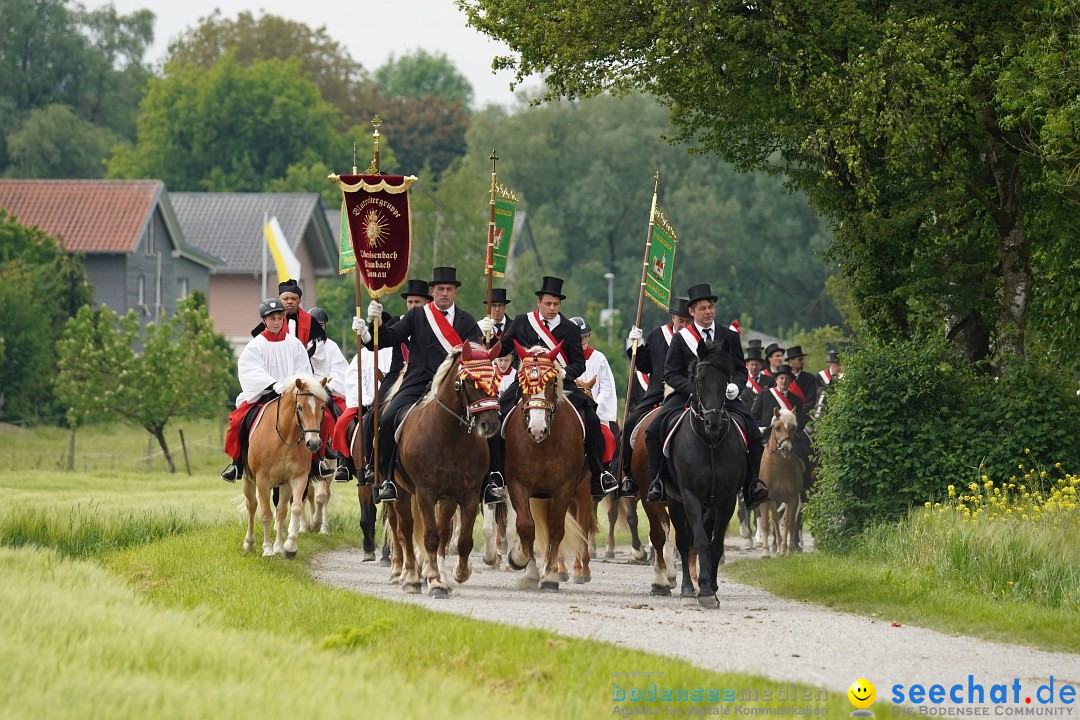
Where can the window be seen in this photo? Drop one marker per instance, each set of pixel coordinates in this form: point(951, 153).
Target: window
point(150, 238)
point(142, 290)
point(182, 287)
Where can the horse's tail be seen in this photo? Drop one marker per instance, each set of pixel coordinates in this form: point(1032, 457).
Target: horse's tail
point(574, 542)
point(604, 506)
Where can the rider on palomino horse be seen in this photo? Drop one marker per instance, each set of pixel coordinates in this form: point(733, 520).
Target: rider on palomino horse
point(268, 359)
point(650, 360)
point(549, 328)
point(431, 332)
point(684, 351)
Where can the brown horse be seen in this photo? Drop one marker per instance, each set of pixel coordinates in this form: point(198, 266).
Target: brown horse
point(364, 494)
point(443, 458)
point(660, 534)
point(279, 455)
point(782, 473)
point(545, 461)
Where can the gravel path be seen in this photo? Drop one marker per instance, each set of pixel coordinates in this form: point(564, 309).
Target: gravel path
point(786, 640)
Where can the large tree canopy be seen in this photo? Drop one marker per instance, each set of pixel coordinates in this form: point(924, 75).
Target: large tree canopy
point(906, 123)
point(230, 127)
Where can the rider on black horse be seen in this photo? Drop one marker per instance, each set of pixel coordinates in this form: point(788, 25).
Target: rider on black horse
point(681, 353)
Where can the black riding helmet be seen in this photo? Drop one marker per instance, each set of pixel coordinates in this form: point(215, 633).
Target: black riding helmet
point(319, 314)
point(583, 324)
point(270, 305)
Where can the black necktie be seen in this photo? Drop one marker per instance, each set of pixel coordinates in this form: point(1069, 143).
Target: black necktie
point(445, 313)
point(498, 329)
point(708, 334)
point(546, 324)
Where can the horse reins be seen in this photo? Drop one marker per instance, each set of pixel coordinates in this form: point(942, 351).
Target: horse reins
point(701, 413)
point(472, 370)
point(299, 420)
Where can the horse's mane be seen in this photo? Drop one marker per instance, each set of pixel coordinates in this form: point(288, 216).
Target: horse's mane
point(441, 373)
point(560, 391)
point(313, 385)
point(788, 418)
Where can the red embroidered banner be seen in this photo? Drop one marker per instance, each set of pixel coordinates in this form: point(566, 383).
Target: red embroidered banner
point(377, 207)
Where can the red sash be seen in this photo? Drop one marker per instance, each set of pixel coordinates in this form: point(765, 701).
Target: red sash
point(753, 385)
point(669, 332)
point(444, 331)
point(797, 391)
point(545, 335)
point(781, 400)
point(643, 379)
point(826, 376)
point(691, 337)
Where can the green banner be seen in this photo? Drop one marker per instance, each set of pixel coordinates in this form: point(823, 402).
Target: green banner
point(505, 211)
point(346, 258)
point(660, 265)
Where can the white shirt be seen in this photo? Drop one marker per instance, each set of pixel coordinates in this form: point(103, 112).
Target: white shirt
point(386, 357)
point(329, 362)
point(506, 380)
point(603, 392)
point(552, 323)
point(701, 331)
point(264, 363)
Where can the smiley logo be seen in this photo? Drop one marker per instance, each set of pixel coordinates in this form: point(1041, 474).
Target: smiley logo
point(862, 694)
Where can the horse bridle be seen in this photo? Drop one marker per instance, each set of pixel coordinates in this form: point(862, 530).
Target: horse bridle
point(533, 378)
point(482, 375)
point(299, 419)
point(702, 413)
point(778, 442)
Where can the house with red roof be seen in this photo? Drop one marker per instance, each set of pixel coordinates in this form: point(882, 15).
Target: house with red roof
point(127, 235)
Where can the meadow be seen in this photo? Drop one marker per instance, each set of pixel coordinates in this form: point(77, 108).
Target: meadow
point(124, 594)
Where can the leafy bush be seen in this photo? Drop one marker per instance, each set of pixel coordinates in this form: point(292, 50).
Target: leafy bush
point(910, 418)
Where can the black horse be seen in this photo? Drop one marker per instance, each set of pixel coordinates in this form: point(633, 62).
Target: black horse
point(709, 457)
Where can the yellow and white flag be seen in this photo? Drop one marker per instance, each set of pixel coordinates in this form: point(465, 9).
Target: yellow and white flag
point(285, 261)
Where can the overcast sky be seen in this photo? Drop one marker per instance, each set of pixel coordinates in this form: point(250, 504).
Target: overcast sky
point(371, 30)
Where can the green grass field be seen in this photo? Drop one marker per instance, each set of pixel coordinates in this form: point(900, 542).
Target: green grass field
point(124, 594)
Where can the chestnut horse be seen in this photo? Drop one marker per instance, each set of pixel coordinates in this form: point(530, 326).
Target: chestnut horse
point(782, 473)
point(443, 458)
point(659, 522)
point(279, 455)
point(545, 460)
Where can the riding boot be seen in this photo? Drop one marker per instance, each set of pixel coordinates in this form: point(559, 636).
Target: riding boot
point(387, 491)
point(234, 472)
point(494, 485)
point(754, 491)
point(367, 475)
point(654, 443)
point(344, 471)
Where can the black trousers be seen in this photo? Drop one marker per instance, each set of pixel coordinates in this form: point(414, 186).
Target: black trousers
point(390, 419)
point(639, 411)
point(675, 403)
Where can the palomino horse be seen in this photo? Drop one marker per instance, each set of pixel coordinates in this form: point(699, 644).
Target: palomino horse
point(709, 455)
point(279, 455)
point(545, 459)
point(782, 473)
point(442, 458)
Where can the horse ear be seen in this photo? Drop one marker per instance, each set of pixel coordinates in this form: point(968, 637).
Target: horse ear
point(775, 412)
point(466, 352)
point(299, 384)
point(555, 352)
point(521, 352)
point(495, 352)
point(324, 381)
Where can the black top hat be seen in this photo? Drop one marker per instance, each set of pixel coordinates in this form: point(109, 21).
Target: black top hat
point(551, 286)
point(498, 295)
point(583, 324)
point(783, 370)
point(795, 351)
point(290, 285)
point(444, 276)
point(772, 348)
point(754, 353)
point(678, 307)
point(699, 292)
point(418, 288)
point(754, 343)
point(833, 357)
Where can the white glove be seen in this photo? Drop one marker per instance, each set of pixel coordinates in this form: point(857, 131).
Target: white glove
point(487, 326)
point(360, 327)
point(279, 387)
point(374, 310)
point(732, 391)
point(635, 334)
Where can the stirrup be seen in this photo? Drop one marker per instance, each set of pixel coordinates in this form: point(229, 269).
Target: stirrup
point(232, 473)
point(387, 492)
point(656, 490)
point(608, 483)
point(493, 494)
point(366, 476)
point(755, 494)
point(342, 474)
point(628, 488)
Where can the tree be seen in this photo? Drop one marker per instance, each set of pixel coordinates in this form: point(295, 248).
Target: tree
point(230, 127)
point(426, 132)
point(342, 81)
point(899, 121)
point(55, 142)
point(111, 370)
point(43, 287)
point(422, 75)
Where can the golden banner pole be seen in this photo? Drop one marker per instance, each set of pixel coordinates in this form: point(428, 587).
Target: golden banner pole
point(637, 318)
point(375, 373)
point(489, 258)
